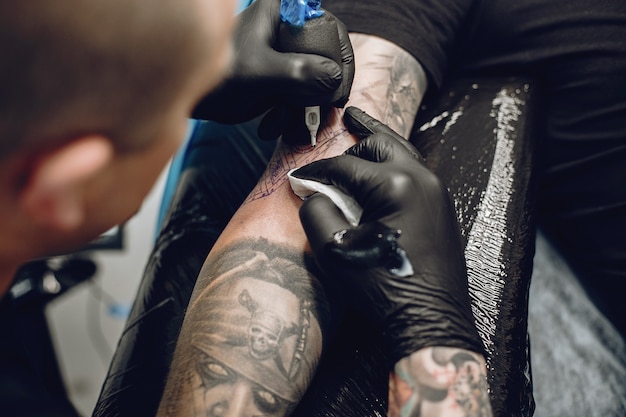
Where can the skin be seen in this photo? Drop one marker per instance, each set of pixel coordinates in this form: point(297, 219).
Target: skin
point(60, 195)
point(253, 335)
point(439, 381)
point(389, 85)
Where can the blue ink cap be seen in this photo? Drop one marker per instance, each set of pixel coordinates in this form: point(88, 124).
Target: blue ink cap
point(297, 12)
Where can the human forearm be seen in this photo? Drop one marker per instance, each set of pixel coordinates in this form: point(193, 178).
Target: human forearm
point(256, 323)
point(267, 225)
point(252, 334)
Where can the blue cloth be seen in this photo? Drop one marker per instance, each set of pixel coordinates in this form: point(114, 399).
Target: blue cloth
point(243, 4)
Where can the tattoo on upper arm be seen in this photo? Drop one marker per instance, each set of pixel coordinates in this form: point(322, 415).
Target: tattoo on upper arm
point(252, 337)
point(440, 381)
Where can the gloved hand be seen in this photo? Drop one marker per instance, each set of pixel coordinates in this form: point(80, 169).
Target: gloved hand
point(261, 77)
point(403, 265)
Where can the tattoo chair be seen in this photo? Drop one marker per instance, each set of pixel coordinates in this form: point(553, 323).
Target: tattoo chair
point(476, 135)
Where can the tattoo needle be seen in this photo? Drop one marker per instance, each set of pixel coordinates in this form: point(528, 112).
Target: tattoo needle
point(312, 121)
point(305, 28)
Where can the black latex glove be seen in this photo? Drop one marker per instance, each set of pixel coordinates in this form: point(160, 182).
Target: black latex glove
point(407, 216)
point(262, 77)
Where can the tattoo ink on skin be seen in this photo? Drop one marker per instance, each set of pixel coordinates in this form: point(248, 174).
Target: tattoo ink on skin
point(440, 381)
point(401, 95)
point(287, 157)
point(391, 82)
point(398, 107)
point(252, 337)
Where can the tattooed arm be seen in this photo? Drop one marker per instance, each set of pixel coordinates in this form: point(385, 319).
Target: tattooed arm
point(254, 330)
point(255, 327)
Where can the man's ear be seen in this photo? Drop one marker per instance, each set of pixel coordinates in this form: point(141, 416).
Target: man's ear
point(53, 195)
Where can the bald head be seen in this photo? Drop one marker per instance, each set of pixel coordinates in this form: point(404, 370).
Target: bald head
point(95, 97)
point(68, 67)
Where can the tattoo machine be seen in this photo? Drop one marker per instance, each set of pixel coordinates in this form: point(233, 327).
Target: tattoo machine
point(306, 28)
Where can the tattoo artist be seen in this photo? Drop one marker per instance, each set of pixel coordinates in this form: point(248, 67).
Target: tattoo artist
point(62, 203)
point(259, 78)
point(96, 92)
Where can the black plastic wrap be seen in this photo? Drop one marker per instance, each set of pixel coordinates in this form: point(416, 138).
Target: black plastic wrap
point(477, 136)
point(210, 189)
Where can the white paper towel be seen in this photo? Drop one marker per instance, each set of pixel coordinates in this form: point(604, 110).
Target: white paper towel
point(348, 206)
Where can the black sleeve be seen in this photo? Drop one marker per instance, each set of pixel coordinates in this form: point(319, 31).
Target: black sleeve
point(427, 29)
